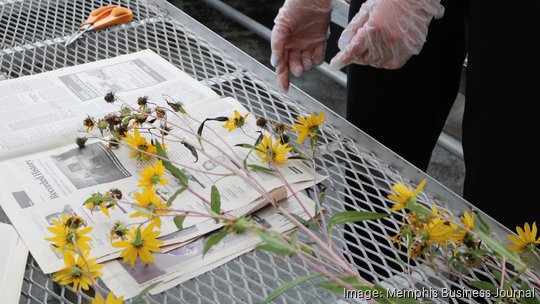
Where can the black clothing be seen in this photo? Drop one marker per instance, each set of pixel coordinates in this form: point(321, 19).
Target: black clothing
point(406, 109)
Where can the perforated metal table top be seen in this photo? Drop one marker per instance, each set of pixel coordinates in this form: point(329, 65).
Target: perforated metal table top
point(32, 36)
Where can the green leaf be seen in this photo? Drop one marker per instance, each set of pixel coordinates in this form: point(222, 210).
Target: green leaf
point(214, 239)
point(274, 244)
point(247, 146)
point(192, 150)
point(528, 300)
point(181, 176)
point(173, 197)
point(322, 197)
point(500, 249)
point(482, 285)
point(278, 251)
point(293, 239)
point(179, 221)
point(98, 198)
point(201, 127)
point(215, 200)
point(353, 216)
point(333, 286)
point(297, 157)
point(259, 168)
point(304, 222)
point(484, 226)
point(306, 249)
point(420, 209)
point(138, 237)
point(283, 288)
point(142, 210)
point(143, 292)
point(67, 249)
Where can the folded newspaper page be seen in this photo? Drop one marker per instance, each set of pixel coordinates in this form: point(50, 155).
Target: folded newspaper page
point(45, 175)
point(183, 263)
point(12, 264)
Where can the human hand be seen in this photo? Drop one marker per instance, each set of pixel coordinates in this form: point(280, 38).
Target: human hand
point(386, 33)
point(298, 38)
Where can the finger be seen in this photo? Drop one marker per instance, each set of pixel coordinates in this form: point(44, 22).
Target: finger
point(295, 63)
point(359, 20)
point(277, 42)
point(282, 71)
point(339, 61)
point(307, 59)
point(352, 53)
point(318, 54)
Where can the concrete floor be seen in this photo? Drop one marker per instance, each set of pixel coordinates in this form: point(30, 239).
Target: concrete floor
point(444, 167)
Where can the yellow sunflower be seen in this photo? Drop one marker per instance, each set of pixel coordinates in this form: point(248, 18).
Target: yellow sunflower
point(140, 244)
point(77, 271)
point(468, 220)
point(148, 200)
point(526, 239)
point(152, 176)
point(404, 194)
point(439, 231)
point(102, 205)
point(68, 232)
point(272, 152)
point(235, 122)
point(111, 299)
point(308, 126)
point(139, 144)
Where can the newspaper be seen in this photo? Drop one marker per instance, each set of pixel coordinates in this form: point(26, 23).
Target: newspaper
point(183, 263)
point(44, 174)
point(12, 264)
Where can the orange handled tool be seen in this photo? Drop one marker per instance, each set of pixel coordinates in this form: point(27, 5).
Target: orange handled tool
point(101, 18)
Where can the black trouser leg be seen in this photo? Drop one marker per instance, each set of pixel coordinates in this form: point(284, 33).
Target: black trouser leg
point(406, 109)
point(500, 125)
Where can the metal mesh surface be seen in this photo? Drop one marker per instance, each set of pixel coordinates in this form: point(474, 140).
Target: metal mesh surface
point(32, 33)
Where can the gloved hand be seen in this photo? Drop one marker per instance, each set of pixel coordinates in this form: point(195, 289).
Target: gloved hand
point(386, 33)
point(299, 37)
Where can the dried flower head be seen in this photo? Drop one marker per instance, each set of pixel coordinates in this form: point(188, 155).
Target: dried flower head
point(113, 143)
point(110, 97)
point(89, 123)
point(118, 231)
point(177, 106)
point(102, 125)
point(280, 127)
point(121, 131)
point(113, 119)
point(125, 111)
point(139, 119)
point(261, 122)
point(285, 138)
point(160, 112)
point(143, 100)
point(73, 221)
point(81, 141)
point(164, 129)
point(114, 193)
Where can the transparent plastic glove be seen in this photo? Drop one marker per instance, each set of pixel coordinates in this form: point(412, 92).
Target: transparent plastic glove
point(299, 37)
point(386, 33)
